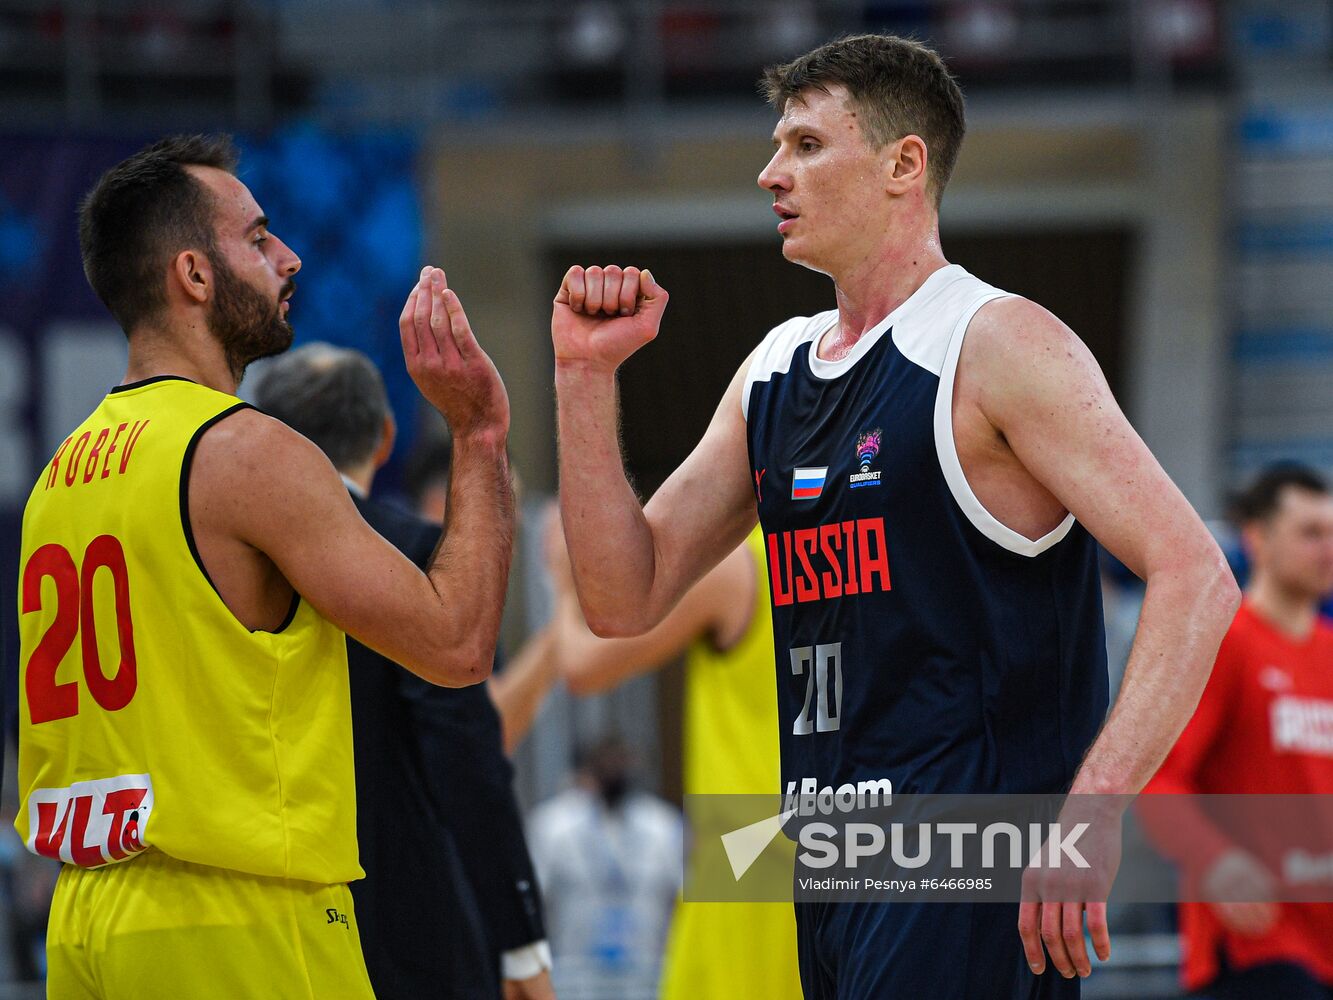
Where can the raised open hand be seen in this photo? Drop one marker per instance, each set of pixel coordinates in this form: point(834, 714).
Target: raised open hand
point(446, 362)
point(602, 315)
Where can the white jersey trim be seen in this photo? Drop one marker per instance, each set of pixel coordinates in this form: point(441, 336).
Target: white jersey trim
point(946, 450)
point(774, 355)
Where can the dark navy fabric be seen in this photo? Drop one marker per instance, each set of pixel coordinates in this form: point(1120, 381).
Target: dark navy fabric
point(1274, 979)
point(964, 666)
point(976, 669)
point(887, 951)
point(449, 882)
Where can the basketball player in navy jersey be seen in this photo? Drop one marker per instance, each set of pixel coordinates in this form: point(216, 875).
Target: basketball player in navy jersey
point(930, 462)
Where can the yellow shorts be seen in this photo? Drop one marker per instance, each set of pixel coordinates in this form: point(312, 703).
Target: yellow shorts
point(156, 928)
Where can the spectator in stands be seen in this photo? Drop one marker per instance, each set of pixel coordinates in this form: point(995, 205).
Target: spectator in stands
point(1264, 725)
point(609, 858)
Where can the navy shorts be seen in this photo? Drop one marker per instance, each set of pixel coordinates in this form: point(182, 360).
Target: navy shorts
point(1263, 982)
point(945, 951)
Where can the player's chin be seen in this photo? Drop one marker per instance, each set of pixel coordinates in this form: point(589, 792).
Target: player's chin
point(279, 339)
point(798, 253)
point(791, 249)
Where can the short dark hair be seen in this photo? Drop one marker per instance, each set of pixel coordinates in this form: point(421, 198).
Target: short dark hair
point(898, 86)
point(1260, 500)
point(333, 395)
point(140, 214)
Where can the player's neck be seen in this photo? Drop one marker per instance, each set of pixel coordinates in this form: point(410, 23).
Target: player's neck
point(871, 288)
point(185, 351)
point(1291, 613)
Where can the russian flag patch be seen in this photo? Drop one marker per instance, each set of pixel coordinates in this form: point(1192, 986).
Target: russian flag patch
point(807, 484)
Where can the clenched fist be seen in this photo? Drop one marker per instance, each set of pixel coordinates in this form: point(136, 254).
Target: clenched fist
point(602, 315)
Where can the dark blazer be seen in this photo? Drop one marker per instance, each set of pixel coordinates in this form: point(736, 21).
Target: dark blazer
point(449, 882)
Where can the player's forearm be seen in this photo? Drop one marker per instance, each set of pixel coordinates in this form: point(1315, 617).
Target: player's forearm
point(610, 542)
point(519, 691)
point(589, 665)
point(1186, 611)
point(470, 568)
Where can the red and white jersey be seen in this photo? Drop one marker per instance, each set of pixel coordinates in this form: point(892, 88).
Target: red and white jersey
point(1263, 726)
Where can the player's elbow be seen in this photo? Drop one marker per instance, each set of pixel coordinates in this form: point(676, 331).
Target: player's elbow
point(1218, 592)
point(609, 621)
point(1227, 595)
point(1208, 598)
point(618, 626)
point(462, 665)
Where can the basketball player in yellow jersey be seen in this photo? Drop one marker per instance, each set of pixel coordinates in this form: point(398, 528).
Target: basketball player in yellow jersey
point(188, 568)
point(715, 951)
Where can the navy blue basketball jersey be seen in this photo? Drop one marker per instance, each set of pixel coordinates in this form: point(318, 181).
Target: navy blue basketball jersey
point(918, 639)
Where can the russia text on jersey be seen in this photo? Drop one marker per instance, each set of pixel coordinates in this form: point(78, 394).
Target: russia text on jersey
point(1302, 725)
point(840, 559)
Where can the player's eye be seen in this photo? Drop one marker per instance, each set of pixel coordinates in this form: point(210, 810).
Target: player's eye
point(261, 239)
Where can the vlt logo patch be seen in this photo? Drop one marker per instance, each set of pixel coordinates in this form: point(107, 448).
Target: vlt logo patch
point(91, 823)
point(867, 450)
point(807, 484)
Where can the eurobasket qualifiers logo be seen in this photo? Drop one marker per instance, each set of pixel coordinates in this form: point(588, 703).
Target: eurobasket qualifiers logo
point(867, 449)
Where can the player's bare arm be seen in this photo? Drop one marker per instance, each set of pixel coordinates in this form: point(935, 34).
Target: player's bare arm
point(270, 514)
point(719, 607)
point(631, 563)
point(1038, 433)
point(519, 692)
point(1037, 385)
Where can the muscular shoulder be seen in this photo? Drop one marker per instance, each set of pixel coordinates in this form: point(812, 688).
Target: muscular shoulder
point(1018, 355)
point(251, 464)
point(1017, 331)
point(253, 447)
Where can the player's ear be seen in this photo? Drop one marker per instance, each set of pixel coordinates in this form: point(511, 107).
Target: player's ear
point(192, 274)
point(906, 166)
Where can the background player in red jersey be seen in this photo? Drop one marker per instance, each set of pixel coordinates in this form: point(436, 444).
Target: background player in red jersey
point(1264, 725)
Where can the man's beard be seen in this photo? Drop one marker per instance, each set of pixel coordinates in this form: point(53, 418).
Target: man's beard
point(248, 325)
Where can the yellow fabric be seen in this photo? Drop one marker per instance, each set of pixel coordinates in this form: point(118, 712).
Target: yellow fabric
point(161, 929)
point(216, 745)
point(731, 704)
point(721, 951)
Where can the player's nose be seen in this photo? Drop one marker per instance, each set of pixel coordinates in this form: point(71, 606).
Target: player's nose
point(288, 262)
point(773, 177)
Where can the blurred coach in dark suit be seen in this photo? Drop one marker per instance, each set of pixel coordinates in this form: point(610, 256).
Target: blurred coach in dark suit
point(449, 906)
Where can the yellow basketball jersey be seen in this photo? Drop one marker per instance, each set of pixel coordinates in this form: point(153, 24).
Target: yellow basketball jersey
point(149, 716)
point(731, 705)
point(720, 951)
